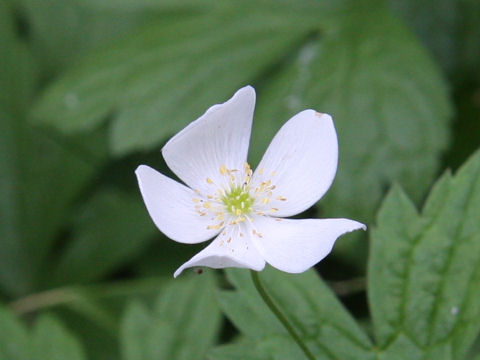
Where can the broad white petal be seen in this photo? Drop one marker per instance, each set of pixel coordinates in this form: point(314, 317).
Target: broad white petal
point(219, 137)
point(229, 249)
point(295, 246)
point(171, 207)
point(301, 162)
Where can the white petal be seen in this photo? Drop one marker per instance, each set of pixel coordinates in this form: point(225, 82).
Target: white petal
point(171, 207)
point(301, 162)
point(295, 246)
point(229, 249)
point(219, 137)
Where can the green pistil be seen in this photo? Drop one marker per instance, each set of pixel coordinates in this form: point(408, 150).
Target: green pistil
point(238, 201)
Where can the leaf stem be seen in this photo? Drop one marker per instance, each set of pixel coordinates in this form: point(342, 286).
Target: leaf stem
point(280, 316)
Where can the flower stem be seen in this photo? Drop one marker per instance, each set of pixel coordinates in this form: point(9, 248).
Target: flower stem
point(280, 316)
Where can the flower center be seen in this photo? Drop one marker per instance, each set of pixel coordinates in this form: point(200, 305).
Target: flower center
point(238, 201)
point(234, 199)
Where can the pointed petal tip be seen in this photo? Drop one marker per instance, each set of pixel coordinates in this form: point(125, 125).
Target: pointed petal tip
point(357, 226)
point(140, 169)
point(361, 226)
point(246, 91)
point(247, 88)
point(177, 272)
point(318, 115)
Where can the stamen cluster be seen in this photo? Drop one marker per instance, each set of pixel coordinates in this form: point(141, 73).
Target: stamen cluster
point(234, 200)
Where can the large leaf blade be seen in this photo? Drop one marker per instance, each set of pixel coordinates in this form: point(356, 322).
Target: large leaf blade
point(152, 78)
point(423, 270)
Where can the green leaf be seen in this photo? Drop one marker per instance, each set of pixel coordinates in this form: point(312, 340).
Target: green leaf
point(160, 78)
point(183, 324)
point(109, 230)
point(388, 101)
point(51, 341)
point(319, 318)
point(424, 269)
point(14, 341)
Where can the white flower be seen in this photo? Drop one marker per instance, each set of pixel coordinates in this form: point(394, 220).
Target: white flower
point(245, 211)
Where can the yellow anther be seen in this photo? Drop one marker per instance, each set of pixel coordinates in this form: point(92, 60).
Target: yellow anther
point(265, 200)
point(207, 205)
point(216, 227)
point(195, 200)
point(281, 198)
point(209, 181)
point(223, 169)
point(260, 171)
point(254, 232)
point(238, 212)
point(273, 209)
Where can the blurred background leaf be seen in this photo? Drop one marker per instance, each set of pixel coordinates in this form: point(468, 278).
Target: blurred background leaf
point(103, 237)
point(48, 340)
point(183, 324)
point(13, 337)
point(41, 173)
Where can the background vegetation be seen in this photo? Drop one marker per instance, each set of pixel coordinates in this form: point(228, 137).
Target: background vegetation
point(90, 89)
